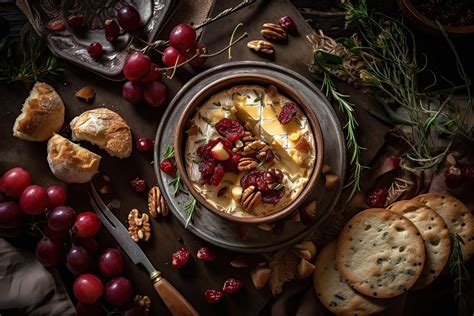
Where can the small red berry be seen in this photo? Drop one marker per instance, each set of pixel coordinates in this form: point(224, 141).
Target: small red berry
point(144, 144)
point(111, 29)
point(168, 167)
point(288, 111)
point(454, 176)
point(213, 296)
point(377, 197)
point(75, 21)
point(205, 254)
point(179, 258)
point(232, 285)
point(288, 24)
point(138, 184)
point(95, 50)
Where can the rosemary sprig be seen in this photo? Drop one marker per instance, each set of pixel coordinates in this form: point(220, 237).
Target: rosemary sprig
point(168, 152)
point(189, 208)
point(458, 271)
point(176, 184)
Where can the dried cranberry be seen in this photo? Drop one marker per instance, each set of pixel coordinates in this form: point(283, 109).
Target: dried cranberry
point(232, 164)
point(288, 111)
point(277, 174)
point(204, 151)
point(179, 258)
point(144, 144)
point(255, 178)
point(168, 167)
point(288, 24)
point(218, 175)
point(205, 254)
point(232, 285)
point(206, 168)
point(377, 197)
point(273, 196)
point(230, 129)
point(213, 296)
point(454, 176)
point(111, 29)
point(138, 184)
point(270, 156)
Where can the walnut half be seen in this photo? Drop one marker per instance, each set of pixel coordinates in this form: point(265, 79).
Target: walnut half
point(139, 226)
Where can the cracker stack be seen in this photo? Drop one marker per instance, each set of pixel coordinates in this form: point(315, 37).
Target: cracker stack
point(382, 253)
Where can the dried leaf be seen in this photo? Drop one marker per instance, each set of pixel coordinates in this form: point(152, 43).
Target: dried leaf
point(284, 268)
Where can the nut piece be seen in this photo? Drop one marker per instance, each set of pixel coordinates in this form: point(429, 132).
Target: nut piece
point(236, 193)
point(248, 137)
point(266, 226)
point(308, 213)
point(247, 163)
point(305, 268)
point(86, 93)
point(239, 262)
point(144, 301)
point(305, 250)
point(273, 31)
point(139, 226)
point(331, 181)
point(250, 198)
point(261, 46)
point(156, 202)
point(326, 169)
point(257, 148)
point(260, 276)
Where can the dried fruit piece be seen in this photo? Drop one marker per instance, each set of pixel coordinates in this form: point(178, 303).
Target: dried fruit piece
point(288, 24)
point(232, 285)
point(454, 176)
point(260, 276)
point(302, 144)
point(230, 129)
point(206, 168)
point(219, 152)
point(75, 21)
point(218, 175)
point(180, 258)
point(288, 111)
point(55, 25)
point(273, 196)
point(213, 296)
point(138, 184)
point(305, 268)
point(168, 167)
point(377, 197)
point(255, 178)
point(205, 254)
point(111, 29)
point(86, 93)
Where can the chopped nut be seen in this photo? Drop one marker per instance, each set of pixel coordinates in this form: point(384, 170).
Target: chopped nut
point(156, 202)
point(261, 46)
point(86, 93)
point(260, 276)
point(239, 262)
point(247, 137)
point(139, 226)
point(247, 163)
point(326, 169)
point(239, 144)
point(296, 217)
point(273, 31)
point(451, 160)
point(305, 268)
point(250, 198)
point(331, 181)
point(255, 148)
point(305, 250)
point(236, 193)
point(266, 227)
point(144, 301)
point(105, 189)
point(308, 213)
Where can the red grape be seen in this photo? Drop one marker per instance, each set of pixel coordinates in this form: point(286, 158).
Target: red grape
point(182, 36)
point(197, 48)
point(170, 55)
point(61, 218)
point(56, 196)
point(111, 263)
point(34, 200)
point(95, 50)
point(47, 252)
point(155, 94)
point(90, 244)
point(15, 181)
point(75, 21)
point(87, 224)
point(132, 92)
point(136, 66)
point(88, 288)
point(153, 75)
point(144, 144)
point(118, 291)
point(128, 18)
point(79, 261)
point(10, 215)
point(88, 309)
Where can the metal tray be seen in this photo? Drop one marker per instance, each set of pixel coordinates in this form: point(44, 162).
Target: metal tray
point(72, 46)
point(222, 232)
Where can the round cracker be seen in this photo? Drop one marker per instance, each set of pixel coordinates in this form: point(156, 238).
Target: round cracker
point(434, 232)
point(456, 216)
point(380, 253)
point(333, 291)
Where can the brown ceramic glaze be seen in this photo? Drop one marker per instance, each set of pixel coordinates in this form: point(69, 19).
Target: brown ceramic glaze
point(228, 82)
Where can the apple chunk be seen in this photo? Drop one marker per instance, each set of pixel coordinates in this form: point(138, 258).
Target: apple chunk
point(219, 152)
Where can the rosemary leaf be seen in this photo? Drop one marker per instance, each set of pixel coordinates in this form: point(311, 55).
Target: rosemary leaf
point(176, 184)
point(168, 152)
point(458, 271)
point(189, 208)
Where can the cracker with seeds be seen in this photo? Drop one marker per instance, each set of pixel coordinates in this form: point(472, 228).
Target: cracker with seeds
point(435, 234)
point(380, 253)
point(333, 291)
point(456, 216)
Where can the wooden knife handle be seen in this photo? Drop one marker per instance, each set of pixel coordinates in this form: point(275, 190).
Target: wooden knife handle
point(176, 303)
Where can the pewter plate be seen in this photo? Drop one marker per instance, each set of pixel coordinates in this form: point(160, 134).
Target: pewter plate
point(72, 45)
point(222, 232)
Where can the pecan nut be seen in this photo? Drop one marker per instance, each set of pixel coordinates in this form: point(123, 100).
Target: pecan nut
point(256, 147)
point(247, 163)
point(139, 225)
point(261, 46)
point(250, 198)
point(273, 31)
point(156, 202)
point(248, 137)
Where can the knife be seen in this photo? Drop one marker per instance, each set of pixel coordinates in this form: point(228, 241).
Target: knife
point(175, 302)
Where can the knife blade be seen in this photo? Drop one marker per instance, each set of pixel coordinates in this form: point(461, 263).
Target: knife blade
point(175, 302)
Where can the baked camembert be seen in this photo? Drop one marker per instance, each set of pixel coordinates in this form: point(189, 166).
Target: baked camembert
point(250, 151)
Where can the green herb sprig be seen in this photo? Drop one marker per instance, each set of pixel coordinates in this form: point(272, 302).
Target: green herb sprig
point(458, 271)
point(189, 209)
point(168, 152)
